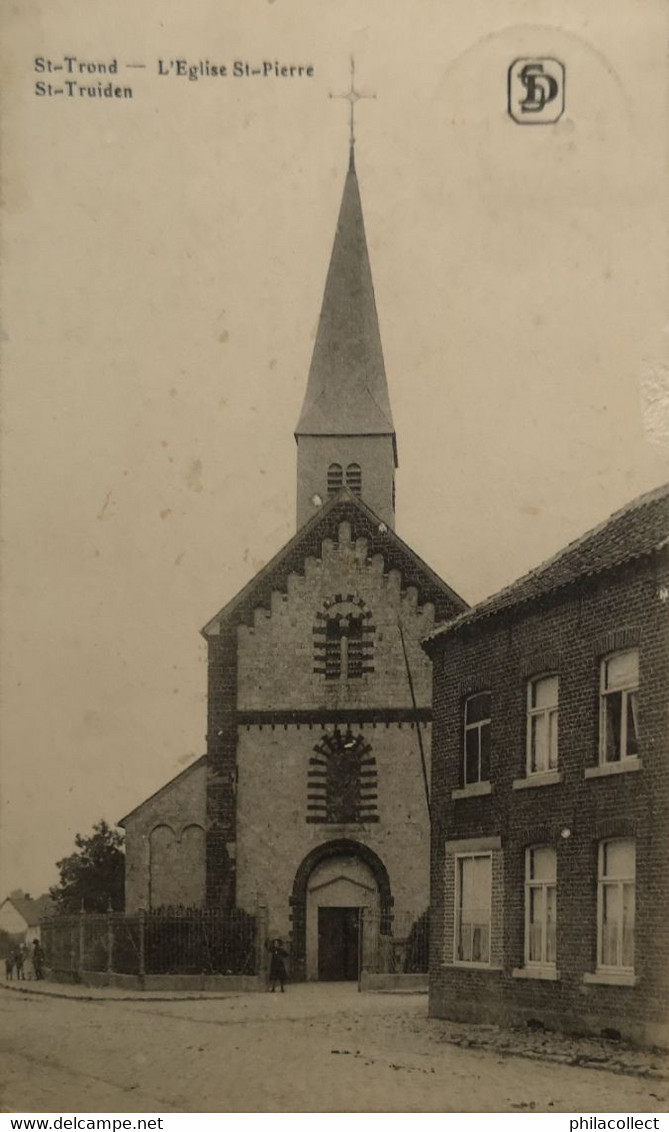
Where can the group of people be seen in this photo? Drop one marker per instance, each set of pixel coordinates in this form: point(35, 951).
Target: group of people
point(22, 963)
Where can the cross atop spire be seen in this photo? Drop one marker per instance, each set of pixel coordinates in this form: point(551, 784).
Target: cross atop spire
point(352, 96)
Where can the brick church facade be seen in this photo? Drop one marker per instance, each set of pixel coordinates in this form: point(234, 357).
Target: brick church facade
point(312, 798)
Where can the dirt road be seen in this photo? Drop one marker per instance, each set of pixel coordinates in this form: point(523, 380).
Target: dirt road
point(318, 1048)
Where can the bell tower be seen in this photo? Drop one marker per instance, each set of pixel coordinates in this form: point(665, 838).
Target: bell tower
point(345, 435)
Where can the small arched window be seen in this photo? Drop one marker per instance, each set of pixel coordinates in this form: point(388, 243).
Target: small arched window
point(335, 478)
point(354, 478)
point(344, 639)
point(342, 781)
point(343, 647)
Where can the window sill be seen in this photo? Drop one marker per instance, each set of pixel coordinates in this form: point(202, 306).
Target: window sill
point(472, 966)
point(473, 790)
point(549, 974)
point(549, 778)
point(605, 769)
point(612, 978)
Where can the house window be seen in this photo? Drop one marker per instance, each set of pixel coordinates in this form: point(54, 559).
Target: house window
point(542, 724)
point(472, 908)
point(540, 905)
point(354, 478)
point(618, 712)
point(615, 905)
point(476, 764)
point(335, 478)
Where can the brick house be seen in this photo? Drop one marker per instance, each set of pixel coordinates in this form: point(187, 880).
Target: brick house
point(550, 791)
point(311, 798)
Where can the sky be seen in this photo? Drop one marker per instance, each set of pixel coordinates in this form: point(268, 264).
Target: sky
point(164, 259)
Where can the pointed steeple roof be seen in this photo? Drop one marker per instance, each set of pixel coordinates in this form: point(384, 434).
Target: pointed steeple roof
point(347, 393)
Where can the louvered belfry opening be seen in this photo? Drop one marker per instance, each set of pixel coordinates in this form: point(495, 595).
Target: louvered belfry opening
point(354, 478)
point(342, 781)
point(335, 478)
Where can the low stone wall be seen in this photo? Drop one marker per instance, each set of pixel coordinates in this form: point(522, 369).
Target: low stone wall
point(218, 983)
point(414, 983)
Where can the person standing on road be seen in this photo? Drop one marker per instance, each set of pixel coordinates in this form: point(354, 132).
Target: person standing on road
point(18, 962)
point(9, 966)
point(38, 959)
point(277, 967)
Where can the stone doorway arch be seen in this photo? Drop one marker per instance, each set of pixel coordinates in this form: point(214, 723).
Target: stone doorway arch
point(329, 851)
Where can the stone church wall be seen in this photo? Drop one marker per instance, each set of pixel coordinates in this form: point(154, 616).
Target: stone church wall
point(164, 848)
point(287, 709)
point(266, 680)
point(274, 837)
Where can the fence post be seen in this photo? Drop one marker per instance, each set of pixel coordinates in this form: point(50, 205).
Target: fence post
point(261, 938)
point(361, 949)
point(142, 949)
point(82, 942)
point(110, 938)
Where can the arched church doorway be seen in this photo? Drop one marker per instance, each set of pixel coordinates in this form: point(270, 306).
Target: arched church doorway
point(333, 883)
point(336, 891)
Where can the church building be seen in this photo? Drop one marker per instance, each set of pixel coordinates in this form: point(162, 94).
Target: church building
point(313, 797)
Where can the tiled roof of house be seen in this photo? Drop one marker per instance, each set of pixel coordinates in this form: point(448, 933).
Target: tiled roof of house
point(31, 910)
point(635, 531)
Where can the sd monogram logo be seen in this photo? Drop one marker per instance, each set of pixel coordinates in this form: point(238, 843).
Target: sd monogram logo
point(536, 91)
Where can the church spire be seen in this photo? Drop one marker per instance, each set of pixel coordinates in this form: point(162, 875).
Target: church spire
point(346, 420)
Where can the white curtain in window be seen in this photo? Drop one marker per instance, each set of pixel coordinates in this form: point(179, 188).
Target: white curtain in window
point(475, 878)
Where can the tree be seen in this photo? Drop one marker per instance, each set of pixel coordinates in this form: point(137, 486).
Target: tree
point(94, 876)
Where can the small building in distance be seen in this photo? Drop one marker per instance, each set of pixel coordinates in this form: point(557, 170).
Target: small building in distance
point(20, 915)
point(550, 791)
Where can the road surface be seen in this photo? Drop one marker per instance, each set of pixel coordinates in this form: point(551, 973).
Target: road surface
point(318, 1048)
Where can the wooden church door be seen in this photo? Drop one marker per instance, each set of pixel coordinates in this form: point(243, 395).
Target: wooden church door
point(338, 939)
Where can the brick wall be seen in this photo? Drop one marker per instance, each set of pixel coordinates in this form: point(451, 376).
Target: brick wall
point(221, 768)
point(568, 634)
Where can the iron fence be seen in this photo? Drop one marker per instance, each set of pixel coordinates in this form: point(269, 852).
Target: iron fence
point(186, 941)
point(395, 944)
point(202, 940)
point(126, 943)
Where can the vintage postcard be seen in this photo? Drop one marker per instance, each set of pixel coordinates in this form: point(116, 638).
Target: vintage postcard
point(335, 508)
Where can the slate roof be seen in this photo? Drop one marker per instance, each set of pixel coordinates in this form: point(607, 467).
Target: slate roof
point(635, 531)
point(31, 910)
point(347, 393)
point(342, 507)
